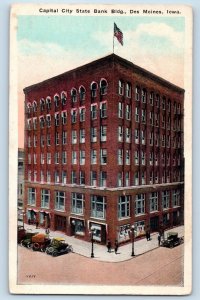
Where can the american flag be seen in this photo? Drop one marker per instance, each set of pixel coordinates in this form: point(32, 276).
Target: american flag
point(118, 34)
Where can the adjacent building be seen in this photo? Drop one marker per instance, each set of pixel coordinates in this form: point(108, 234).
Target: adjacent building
point(104, 148)
point(20, 183)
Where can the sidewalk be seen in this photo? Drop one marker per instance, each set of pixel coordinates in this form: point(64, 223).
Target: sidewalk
point(100, 251)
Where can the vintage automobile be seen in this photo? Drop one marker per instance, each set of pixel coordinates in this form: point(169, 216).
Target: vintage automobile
point(40, 242)
point(58, 246)
point(21, 232)
point(26, 241)
point(172, 240)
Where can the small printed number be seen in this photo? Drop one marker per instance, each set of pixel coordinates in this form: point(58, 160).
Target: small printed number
point(30, 276)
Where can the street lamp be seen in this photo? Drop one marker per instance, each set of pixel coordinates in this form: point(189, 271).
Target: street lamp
point(133, 237)
point(92, 240)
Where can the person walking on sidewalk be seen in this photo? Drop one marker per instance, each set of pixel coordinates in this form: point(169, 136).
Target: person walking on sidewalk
point(116, 246)
point(109, 246)
point(159, 239)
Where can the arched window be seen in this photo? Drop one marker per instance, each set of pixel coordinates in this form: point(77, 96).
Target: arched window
point(74, 95)
point(42, 104)
point(64, 98)
point(56, 100)
point(103, 86)
point(34, 106)
point(121, 87)
point(28, 108)
point(82, 93)
point(94, 88)
point(48, 103)
point(137, 93)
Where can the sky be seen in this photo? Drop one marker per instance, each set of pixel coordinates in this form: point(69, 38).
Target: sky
point(50, 45)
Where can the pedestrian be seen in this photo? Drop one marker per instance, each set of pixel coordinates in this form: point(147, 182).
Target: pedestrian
point(159, 239)
point(116, 246)
point(37, 224)
point(109, 246)
point(147, 235)
point(29, 221)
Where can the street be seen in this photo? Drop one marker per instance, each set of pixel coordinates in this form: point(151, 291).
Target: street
point(161, 266)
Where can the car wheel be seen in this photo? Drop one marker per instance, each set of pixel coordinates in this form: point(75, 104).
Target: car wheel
point(49, 250)
point(55, 253)
point(29, 245)
point(36, 246)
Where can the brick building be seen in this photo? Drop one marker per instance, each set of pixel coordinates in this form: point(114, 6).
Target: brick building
point(104, 148)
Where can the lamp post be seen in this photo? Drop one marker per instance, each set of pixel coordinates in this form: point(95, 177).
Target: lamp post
point(133, 237)
point(92, 240)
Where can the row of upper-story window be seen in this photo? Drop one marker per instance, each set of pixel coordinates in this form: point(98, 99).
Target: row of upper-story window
point(156, 201)
point(74, 95)
point(123, 89)
point(123, 135)
point(124, 157)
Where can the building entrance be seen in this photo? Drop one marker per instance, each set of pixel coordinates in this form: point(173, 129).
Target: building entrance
point(154, 223)
point(60, 223)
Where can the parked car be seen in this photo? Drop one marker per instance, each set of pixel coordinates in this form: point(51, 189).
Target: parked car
point(58, 246)
point(40, 242)
point(21, 232)
point(26, 241)
point(172, 240)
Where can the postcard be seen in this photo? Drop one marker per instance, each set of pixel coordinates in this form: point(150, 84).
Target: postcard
point(100, 171)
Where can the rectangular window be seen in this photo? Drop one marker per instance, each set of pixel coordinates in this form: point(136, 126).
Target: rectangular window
point(120, 110)
point(151, 117)
point(42, 141)
point(103, 178)
point(64, 157)
point(45, 198)
point(155, 159)
point(143, 137)
point(98, 207)
point(128, 112)
point(103, 154)
point(93, 157)
point(163, 121)
point(93, 134)
point(153, 202)
point(57, 154)
point(48, 158)
point(74, 157)
point(64, 117)
point(82, 136)
point(151, 159)
point(151, 138)
point(64, 177)
point(35, 159)
point(74, 136)
point(128, 90)
point(143, 158)
point(128, 160)
point(93, 111)
point(127, 178)
point(32, 196)
point(120, 156)
point(42, 158)
point(136, 136)
point(103, 133)
point(165, 200)
point(29, 124)
point(151, 98)
point(103, 110)
point(120, 179)
point(35, 123)
point(64, 137)
point(163, 140)
point(29, 142)
point(57, 138)
point(137, 118)
point(77, 203)
point(143, 177)
point(121, 88)
point(73, 177)
point(93, 178)
point(60, 200)
point(82, 177)
point(144, 96)
point(139, 204)
point(82, 114)
point(128, 135)
point(175, 198)
point(35, 176)
point(29, 158)
point(57, 177)
point(156, 139)
point(82, 157)
point(123, 207)
point(163, 103)
point(48, 139)
point(136, 157)
point(136, 178)
point(151, 177)
point(120, 134)
point(35, 141)
point(143, 116)
point(48, 176)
